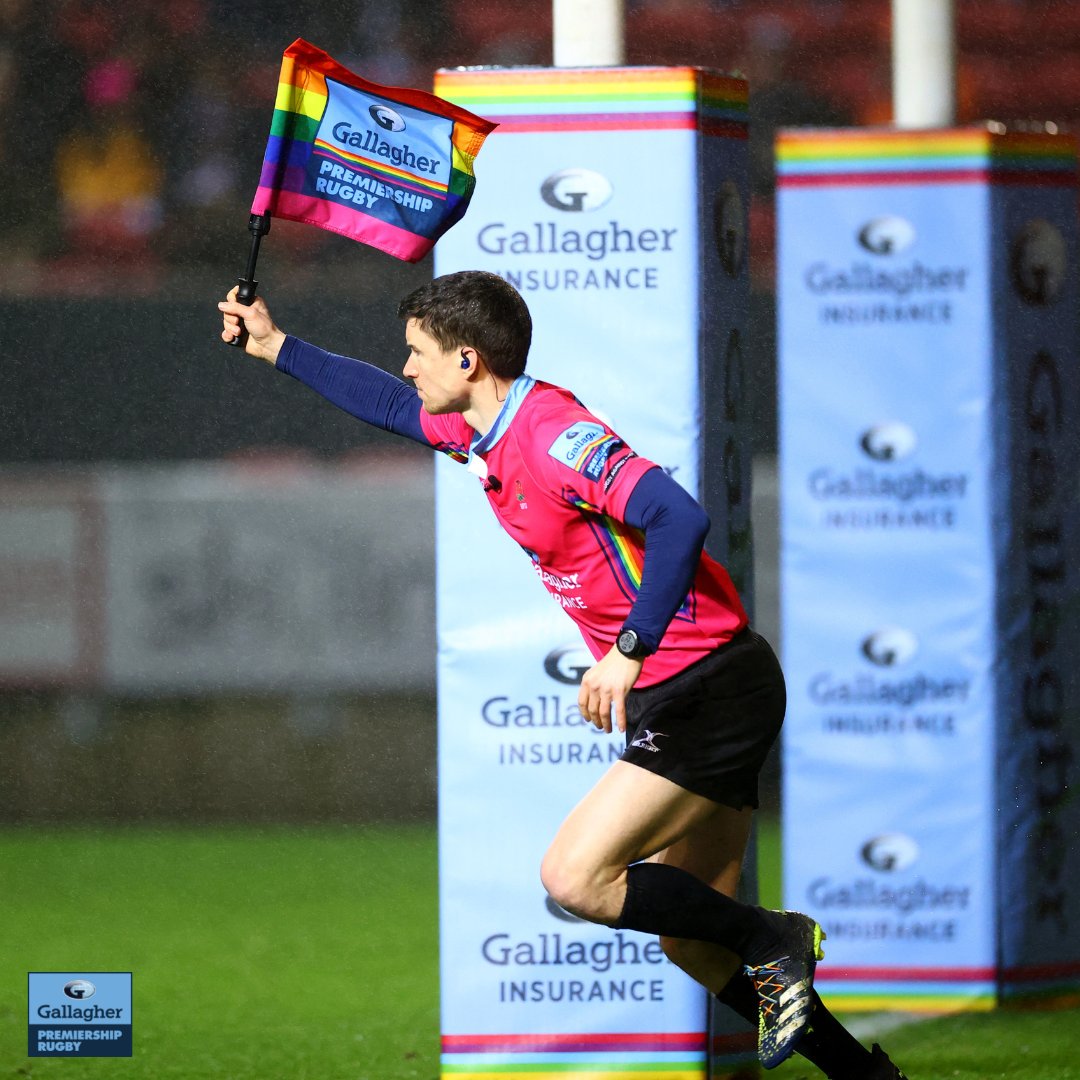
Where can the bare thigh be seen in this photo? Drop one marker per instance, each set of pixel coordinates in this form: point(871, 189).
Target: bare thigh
point(713, 849)
point(629, 815)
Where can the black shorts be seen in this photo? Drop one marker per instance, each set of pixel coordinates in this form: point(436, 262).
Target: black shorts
point(709, 728)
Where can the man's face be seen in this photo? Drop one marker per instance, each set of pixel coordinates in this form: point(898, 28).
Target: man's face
point(439, 378)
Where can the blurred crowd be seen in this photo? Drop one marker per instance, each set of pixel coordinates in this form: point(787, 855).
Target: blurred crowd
point(132, 131)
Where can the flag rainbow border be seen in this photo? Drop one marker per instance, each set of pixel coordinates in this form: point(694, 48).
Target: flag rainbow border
point(299, 106)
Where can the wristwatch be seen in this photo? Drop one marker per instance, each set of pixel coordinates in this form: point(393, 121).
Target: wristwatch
point(630, 645)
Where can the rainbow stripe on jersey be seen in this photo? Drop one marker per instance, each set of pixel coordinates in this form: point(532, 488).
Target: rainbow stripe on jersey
point(624, 548)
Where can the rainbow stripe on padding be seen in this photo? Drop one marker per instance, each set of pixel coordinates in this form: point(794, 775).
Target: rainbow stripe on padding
point(589, 1056)
point(601, 99)
point(848, 156)
point(946, 989)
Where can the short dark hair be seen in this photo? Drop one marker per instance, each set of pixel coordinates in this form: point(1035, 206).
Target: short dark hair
point(473, 307)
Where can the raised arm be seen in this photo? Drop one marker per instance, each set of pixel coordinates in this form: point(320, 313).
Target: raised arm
point(362, 390)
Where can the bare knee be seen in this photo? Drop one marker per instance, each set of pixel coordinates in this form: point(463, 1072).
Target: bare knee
point(579, 889)
point(567, 885)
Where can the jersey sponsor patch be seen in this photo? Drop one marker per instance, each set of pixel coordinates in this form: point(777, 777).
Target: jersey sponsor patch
point(584, 448)
point(597, 457)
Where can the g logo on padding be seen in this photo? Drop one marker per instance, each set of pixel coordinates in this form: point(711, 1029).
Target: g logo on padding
point(888, 235)
point(575, 190)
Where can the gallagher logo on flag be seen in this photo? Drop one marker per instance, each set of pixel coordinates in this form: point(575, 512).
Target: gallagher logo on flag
point(390, 167)
point(386, 118)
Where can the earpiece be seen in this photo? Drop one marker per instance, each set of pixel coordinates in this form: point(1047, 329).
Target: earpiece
point(464, 359)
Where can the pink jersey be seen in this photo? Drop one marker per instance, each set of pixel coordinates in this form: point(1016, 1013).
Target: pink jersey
point(558, 480)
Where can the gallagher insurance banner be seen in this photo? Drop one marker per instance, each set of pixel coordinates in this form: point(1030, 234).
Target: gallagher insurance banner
point(615, 201)
point(930, 411)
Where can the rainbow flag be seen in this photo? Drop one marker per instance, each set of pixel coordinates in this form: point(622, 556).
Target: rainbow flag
point(390, 167)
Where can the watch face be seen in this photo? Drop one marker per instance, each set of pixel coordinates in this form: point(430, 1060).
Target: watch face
point(627, 642)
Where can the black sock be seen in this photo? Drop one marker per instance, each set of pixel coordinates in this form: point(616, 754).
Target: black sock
point(826, 1043)
point(740, 996)
point(663, 899)
point(831, 1047)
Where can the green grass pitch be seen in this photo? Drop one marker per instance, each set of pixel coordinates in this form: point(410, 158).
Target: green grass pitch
point(312, 953)
point(288, 953)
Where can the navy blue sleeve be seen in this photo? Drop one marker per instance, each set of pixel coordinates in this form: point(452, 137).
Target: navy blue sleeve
point(365, 391)
point(675, 528)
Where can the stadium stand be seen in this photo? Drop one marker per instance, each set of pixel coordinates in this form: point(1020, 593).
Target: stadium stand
point(176, 96)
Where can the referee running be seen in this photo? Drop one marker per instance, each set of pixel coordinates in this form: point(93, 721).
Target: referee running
point(657, 844)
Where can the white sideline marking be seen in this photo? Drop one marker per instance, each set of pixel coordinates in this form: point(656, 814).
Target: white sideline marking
point(867, 1027)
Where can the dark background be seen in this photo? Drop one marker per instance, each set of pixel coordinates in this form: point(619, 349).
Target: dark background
point(131, 135)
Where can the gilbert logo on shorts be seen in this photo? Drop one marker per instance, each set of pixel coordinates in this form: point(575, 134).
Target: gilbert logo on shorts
point(647, 741)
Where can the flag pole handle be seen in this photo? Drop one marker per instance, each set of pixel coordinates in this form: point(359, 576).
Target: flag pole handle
point(258, 226)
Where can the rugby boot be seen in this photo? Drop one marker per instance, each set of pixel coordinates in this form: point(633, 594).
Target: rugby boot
point(785, 986)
